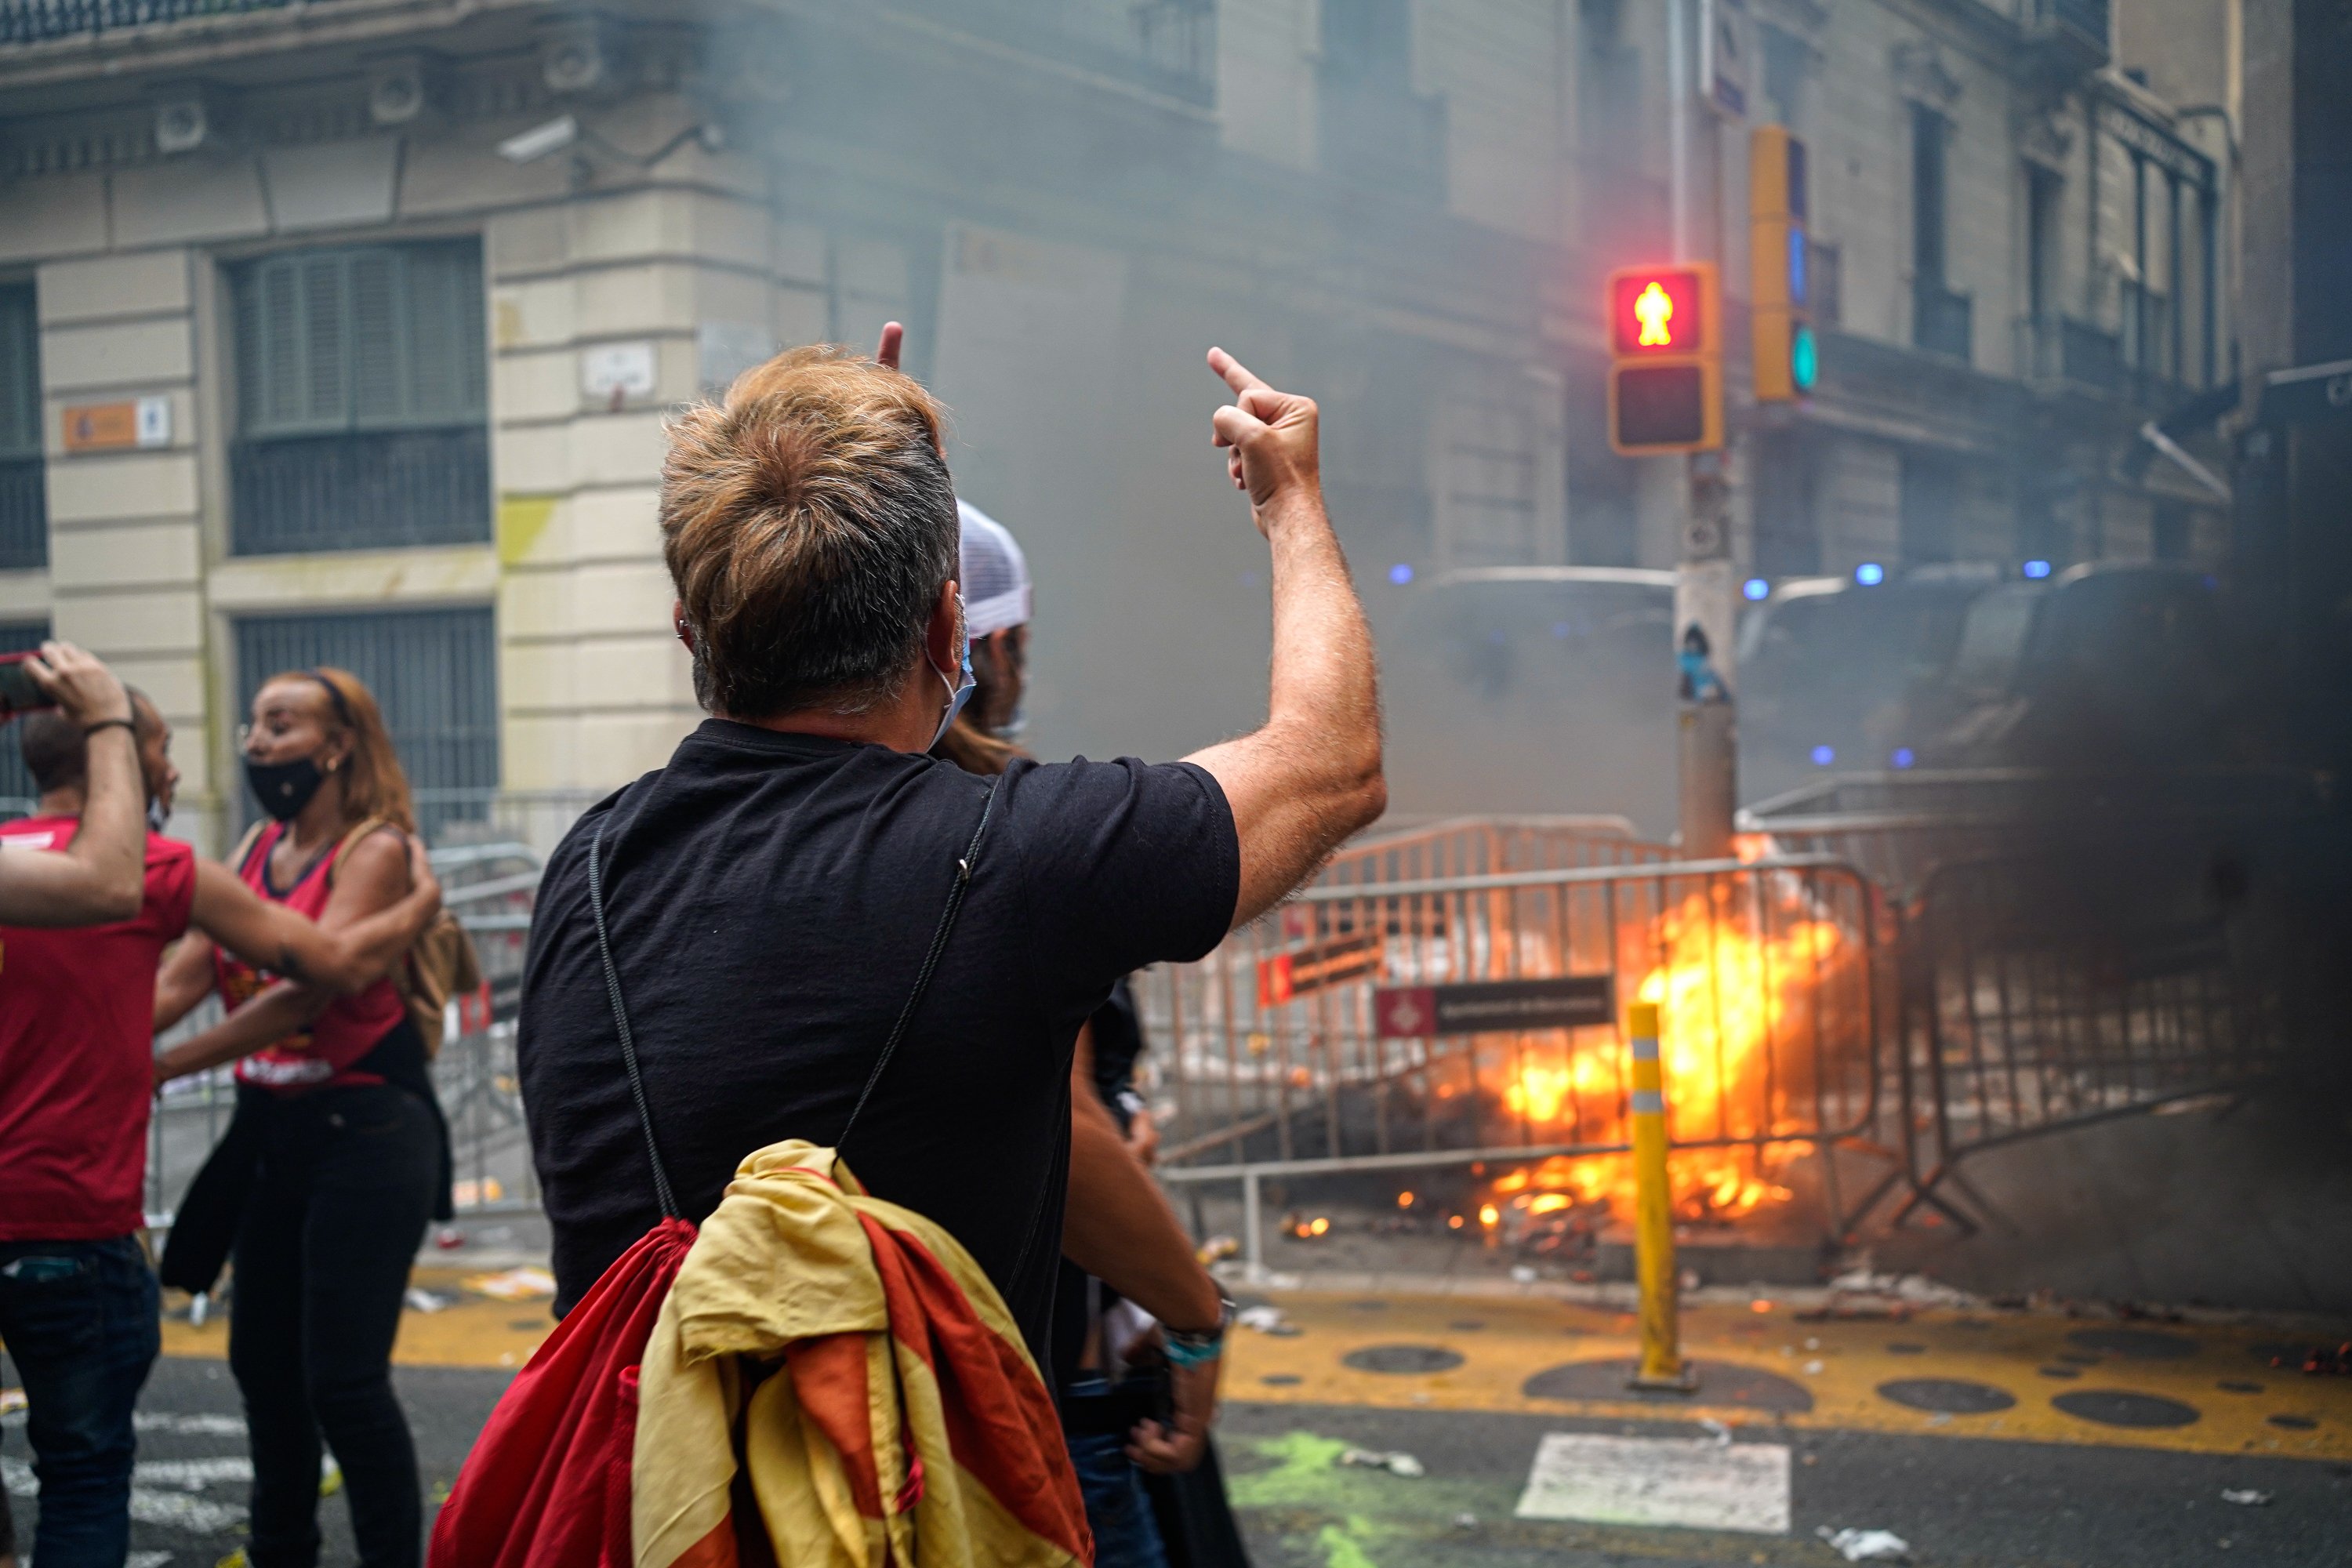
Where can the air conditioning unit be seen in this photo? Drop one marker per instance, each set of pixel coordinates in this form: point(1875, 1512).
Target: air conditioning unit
point(399, 88)
point(575, 55)
point(184, 122)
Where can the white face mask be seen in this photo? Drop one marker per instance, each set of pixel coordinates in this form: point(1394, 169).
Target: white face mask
point(959, 692)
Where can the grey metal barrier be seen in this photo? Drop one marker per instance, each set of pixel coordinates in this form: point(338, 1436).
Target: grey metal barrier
point(2037, 999)
point(1487, 845)
point(1450, 1021)
point(1899, 827)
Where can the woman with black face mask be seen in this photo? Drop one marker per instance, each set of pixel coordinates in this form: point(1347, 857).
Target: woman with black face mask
point(337, 1158)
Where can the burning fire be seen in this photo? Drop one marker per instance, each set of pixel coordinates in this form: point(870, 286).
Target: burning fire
point(1728, 995)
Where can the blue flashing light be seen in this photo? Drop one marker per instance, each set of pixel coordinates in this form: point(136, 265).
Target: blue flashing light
point(2037, 569)
point(1824, 755)
point(1401, 573)
point(1902, 757)
point(1870, 574)
point(1756, 589)
point(1796, 266)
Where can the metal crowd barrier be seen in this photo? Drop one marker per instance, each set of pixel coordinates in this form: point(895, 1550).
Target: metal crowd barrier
point(1806, 1005)
point(1898, 827)
point(2034, 1004)
point(1320, 1038)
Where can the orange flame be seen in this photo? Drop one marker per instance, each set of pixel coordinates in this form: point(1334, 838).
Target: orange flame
point(1733, 1002)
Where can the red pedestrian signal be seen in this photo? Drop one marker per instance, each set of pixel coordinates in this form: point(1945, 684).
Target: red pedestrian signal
point(1665, 375)
point(1658, 311)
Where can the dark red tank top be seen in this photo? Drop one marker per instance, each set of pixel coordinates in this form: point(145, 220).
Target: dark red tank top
point(320, 1055)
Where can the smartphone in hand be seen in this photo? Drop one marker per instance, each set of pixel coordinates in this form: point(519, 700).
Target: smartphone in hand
point(17, 692)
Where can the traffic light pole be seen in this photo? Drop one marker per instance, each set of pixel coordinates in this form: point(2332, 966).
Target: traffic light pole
point(1705, 597)
point(1706, 622)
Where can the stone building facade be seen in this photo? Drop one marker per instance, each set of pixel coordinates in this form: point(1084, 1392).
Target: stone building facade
point(344, 331)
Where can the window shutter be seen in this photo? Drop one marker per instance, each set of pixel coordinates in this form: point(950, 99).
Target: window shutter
point(447, 376)
point(326, 342)
point(278, 319)
point(388, 337)
point(20, 376)
point(377, 385)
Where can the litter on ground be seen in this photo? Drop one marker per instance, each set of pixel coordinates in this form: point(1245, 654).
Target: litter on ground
point(1868, 1545)
point(522, 1284)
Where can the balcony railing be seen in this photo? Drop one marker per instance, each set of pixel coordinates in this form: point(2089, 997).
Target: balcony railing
point(360, 492)
point(24, 516)
point(31, 21)
point(2060, 350)
point(2069, 37)
point(1940, 320)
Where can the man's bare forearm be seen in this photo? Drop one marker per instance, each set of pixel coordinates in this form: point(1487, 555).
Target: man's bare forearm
point(1312, 774)
point(1323, 682)
point(1118, 1228)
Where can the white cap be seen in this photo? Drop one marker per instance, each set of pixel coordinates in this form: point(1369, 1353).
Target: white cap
point(996, 576)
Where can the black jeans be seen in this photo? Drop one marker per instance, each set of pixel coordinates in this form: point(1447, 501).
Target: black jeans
point(338, 1209)
point(81, 1324)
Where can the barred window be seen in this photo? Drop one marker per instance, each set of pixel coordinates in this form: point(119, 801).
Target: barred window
point(363, 399)
point(24, 507)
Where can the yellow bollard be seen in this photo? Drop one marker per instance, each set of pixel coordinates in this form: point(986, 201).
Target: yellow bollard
point(1661, 1367)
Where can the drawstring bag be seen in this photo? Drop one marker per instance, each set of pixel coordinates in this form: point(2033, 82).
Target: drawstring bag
point(548, 1482)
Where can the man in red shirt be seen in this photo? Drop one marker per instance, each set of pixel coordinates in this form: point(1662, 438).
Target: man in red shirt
point(77, 1300)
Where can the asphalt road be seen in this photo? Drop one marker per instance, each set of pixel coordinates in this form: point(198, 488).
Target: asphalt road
point(1970, 1502)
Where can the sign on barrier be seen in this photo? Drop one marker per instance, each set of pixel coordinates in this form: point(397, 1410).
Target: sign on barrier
point(1492, 1006)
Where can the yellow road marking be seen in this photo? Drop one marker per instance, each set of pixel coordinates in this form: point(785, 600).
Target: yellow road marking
point(1520, 1337)
point(473, 1332)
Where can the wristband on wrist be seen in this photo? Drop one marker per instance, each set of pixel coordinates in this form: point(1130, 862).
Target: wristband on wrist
point(94, 727)
point(1190, 1350)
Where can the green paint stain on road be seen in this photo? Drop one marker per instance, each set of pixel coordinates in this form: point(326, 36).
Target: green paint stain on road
point(1342, 1550)
point(1306, 1471)
point(1335, 1516)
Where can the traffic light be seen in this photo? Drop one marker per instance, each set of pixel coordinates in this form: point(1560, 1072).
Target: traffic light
point(1787, 359)
point(1665, 359)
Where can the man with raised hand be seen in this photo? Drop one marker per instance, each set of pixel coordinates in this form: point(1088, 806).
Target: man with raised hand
point(770, 896)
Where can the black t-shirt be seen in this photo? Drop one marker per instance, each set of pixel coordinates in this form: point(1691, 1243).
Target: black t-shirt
point(770, 898)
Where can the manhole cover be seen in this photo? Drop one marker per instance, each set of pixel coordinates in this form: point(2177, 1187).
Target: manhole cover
point(1720, 1383)
point(2113, 1408)
point(1281, 1380)
point(1467, 1326)
point(1946, 1395)
point(1907, 1350)
point(2134, 1344)
point(2233, 1385)
point(1403, 1358)
point(2294, 1423)
point(2062, 1372)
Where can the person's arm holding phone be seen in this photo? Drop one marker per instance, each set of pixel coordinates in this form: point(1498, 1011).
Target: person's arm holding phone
point(100, 876)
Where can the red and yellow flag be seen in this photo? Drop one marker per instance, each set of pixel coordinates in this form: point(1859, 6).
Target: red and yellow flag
point(843, 1363)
